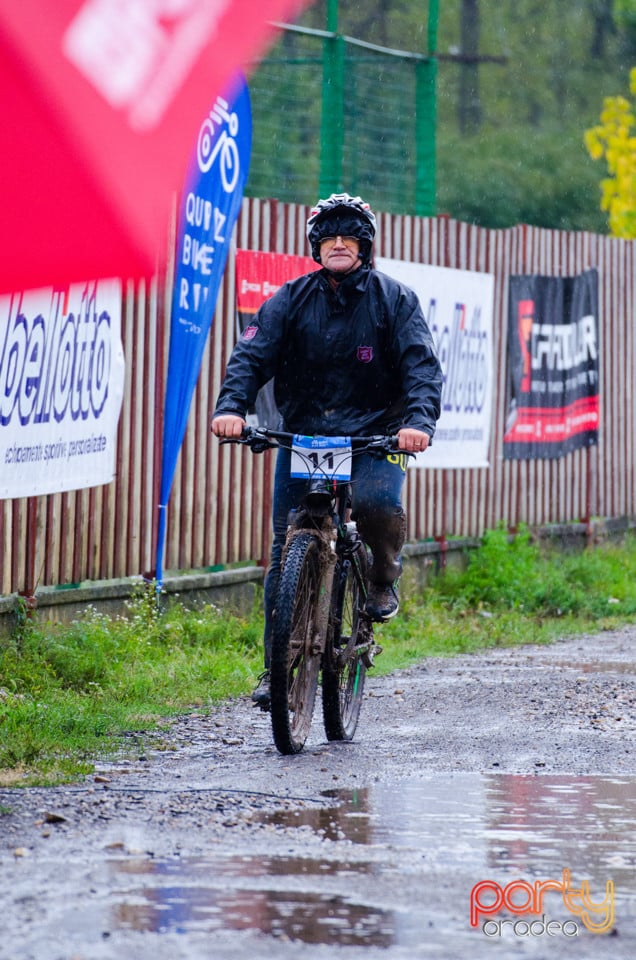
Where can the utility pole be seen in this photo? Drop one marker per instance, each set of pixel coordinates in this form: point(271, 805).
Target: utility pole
point(469, 101)
point(469, 113)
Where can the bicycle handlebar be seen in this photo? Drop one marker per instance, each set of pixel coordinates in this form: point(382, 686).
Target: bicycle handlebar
point(260, 439)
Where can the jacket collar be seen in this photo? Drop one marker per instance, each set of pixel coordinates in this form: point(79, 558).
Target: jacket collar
point(351, 284)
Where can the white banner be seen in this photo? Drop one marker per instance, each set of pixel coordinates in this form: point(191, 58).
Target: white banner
point(61, 388)
point(458, 305)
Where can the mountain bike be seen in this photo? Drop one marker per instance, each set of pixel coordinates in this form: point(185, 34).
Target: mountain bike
point(319, 623)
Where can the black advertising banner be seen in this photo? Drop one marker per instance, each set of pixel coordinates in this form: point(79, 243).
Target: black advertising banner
point(553, 405)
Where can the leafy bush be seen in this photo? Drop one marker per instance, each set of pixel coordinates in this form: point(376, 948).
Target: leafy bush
point(513, 573)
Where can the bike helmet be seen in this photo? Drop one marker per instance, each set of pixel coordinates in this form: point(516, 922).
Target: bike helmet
point(341, 215)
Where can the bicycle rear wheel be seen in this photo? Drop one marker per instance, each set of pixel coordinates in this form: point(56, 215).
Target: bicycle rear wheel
point(343, 674)
point(296, 650)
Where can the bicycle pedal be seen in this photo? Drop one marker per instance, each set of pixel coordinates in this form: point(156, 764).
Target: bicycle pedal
point(369, 655)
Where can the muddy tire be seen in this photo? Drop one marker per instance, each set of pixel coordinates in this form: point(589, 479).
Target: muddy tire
point(343, 680)
point(296, 654)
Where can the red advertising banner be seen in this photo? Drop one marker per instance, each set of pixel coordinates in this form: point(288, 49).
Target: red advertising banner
point(258, 276)
point(553, 354)
point(102, 103)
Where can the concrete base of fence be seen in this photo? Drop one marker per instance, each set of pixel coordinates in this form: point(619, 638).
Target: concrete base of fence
point(577, 535)
point(236, 589)
point(430, 556)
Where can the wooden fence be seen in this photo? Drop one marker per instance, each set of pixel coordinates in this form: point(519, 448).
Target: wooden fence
point(219, 509)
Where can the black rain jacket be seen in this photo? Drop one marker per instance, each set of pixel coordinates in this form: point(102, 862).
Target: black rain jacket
point(356, 360)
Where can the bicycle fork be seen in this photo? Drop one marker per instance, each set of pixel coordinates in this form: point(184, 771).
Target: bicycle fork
point(323, 600)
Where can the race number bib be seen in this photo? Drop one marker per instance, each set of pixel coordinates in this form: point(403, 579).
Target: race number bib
point(326, 456)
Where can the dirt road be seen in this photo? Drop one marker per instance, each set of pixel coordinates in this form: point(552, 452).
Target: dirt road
point(510, 765)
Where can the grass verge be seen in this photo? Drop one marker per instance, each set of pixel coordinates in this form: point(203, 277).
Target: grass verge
point(70, 694)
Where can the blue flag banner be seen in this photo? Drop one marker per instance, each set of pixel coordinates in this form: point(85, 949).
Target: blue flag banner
point(209, 206)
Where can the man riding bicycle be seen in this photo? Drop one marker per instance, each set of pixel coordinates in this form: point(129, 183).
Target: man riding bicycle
point(351, 353)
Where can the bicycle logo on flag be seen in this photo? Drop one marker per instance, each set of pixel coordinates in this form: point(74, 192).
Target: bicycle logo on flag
point(209, 148)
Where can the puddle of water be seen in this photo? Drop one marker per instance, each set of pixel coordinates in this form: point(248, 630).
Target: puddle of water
point(396, 864)
point(596, 666)
point(311, 918)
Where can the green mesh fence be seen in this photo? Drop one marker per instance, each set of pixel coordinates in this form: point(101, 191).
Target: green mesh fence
point(379, 144)
point(377, 135)
point(286, 103)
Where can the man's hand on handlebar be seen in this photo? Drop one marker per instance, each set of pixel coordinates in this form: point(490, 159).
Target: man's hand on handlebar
point(412, 441)
point(227, 425)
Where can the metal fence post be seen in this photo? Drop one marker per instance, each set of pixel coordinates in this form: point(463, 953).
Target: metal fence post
point(332, 118)
point(426, 120)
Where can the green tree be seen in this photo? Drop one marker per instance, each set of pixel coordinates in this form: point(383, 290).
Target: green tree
point(614, 141)
point(625, 12)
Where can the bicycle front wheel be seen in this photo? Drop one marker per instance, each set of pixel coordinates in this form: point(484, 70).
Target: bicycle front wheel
point(296, 648)
point(343, 673)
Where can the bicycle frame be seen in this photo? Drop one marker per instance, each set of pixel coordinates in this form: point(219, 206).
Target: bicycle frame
point(324, 496)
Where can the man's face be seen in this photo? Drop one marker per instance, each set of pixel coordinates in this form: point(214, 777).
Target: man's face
point(340, 254)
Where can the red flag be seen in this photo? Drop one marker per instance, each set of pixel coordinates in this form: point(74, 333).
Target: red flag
point(101, 103)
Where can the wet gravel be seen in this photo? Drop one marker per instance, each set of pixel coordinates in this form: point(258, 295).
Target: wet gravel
point(215, 785)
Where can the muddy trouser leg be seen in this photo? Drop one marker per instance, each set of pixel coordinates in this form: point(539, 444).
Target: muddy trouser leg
point(287, 495)
point(377, 508)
